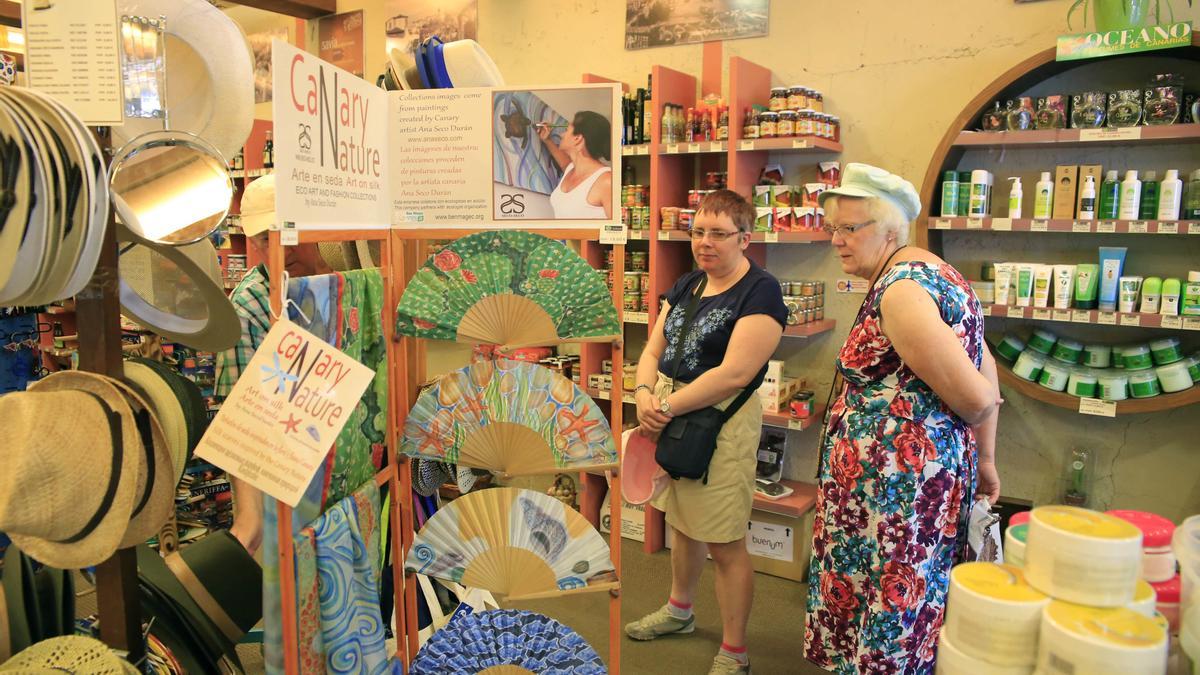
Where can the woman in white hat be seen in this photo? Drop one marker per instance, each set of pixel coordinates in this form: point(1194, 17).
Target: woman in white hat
point(585, 190)
point(908, 442)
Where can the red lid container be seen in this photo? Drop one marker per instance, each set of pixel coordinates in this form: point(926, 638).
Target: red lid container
point(1156, 530)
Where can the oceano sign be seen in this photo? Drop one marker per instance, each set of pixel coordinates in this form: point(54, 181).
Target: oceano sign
point(1109, 43)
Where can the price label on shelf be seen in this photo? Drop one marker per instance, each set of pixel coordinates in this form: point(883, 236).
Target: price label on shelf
point(1194, 228)
point(795, 424)
point(1002, 224)
point(974, 223)
point(603, 395)
point(941, 224)
point(663, 236)
point(800, 144)
point(289, 235)
point(1168, 228)
point(1039, 226)
point(1081, 316)
point(1041, 314)
point(614, 234)
point(1131, 320)
point(643, 149)
point(717, 146)
point(771, 237)
point(1082, 226)
point(1175, 322)
point(1062, 315)
point(1106, 227)
point(672, 148)
point(1138, 227)
point(746, 145)
point(1097, 407)
point(1120, 134)
point(987, 310)
point(1191, 323)
point(693, 147)
point(1106, 318)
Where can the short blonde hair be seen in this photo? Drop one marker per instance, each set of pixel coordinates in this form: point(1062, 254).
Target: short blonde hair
point(886, 215)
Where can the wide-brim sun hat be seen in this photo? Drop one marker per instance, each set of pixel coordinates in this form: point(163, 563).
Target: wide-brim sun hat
point(465, 64)
point(167, 407)
point(68, 654)
point(403, 69)
point(67, 425)
point(258, 205)
point(153, 504)
point(866, 181)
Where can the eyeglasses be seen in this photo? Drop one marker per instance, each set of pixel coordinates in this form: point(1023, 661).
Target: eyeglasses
point(715, 235)
point(845, 229)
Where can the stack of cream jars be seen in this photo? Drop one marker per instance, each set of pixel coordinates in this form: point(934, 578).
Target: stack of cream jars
point(1079, 605)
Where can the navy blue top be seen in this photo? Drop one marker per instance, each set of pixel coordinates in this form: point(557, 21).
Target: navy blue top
point(704, 347)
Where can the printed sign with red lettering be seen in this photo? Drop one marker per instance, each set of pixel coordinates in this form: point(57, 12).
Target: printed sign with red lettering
point(285, 412)
point(331, 144)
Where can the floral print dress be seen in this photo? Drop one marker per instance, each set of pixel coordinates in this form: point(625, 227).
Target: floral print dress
point(897, 473)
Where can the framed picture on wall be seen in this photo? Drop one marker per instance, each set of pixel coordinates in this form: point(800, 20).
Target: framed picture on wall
point(662, 23)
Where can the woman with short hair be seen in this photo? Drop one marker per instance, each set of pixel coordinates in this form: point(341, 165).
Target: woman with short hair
point(908, 441)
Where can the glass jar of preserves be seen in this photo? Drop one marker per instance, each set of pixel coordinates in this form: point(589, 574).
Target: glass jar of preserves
point(768, 124)
point(836, 123)
point(804, 123)
point(779, 99)
point(797, 98)
point(787, 123)
point(816, 100)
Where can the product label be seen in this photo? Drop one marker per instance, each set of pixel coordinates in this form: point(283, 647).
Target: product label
point(771, 237)
point(1118, 134)
point(1062, 315)
point(693, 147)
point(1002, 224)
point(1081, 226)
point(796, 424)
point(663, 235)
point(941, 224)
point(974, 223)
point(986, 310)
point(800, 144)
point(1039, 226)
point(1191, 323)
point(768, 540)
point(1098, 407)
point(1131, 320)
point(1106, 227)
point(1168, 228)
point(672, 148)
point(1041, 314)
point(746, 145)
point(1193, 228)
point(1081, 316)
point(614, 234)
point(1175, 322)
point(1138, 227)
point(1106, 318)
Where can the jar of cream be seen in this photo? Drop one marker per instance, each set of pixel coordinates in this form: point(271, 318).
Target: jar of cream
point(1113, 386)
point(1193, 366)
point(1082, 383)
point(1068, 351)
point(1158, 560)
point(1054, 376)
point(1118, 357)
point(985, 291)
point(1174, 377)
point(1010, 347)
point(1029, 366)
point(1136, 357)
point(1097, 356)
point(1042, 341)
point(1144, 384)
point(1165, 351)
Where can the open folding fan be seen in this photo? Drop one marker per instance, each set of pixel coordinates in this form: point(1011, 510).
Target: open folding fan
point(513, 542)
point(514, 417)
point(510, 288)
point(502, 641)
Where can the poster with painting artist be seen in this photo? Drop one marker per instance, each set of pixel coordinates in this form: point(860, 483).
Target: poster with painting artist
point(662, 23)
point(552, 154)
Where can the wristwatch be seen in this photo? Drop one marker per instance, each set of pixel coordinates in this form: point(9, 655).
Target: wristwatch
point(642, 386)
point(664, 407)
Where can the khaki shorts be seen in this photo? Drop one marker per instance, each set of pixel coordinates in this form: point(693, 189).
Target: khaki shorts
point(717, 512)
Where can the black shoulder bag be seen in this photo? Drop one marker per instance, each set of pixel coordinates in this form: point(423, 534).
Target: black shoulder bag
point(687, 444)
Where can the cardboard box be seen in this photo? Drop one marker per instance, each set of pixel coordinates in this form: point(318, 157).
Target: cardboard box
point(1065, 186)
point(775, 395)
point(633, 520)
point(1097, 174)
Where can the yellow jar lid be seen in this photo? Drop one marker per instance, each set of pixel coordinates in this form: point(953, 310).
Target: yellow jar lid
point(996, 581)
point(1085, 522)
point(1143, 592)
point(1115, 626)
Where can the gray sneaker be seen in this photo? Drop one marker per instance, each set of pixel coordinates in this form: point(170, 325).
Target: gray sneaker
point(659, 623)
point(723, 665)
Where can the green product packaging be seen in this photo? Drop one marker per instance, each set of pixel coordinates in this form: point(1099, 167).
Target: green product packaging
point(1193, 366)
point(1144, 384)
point(1149, 207)
point(1113, 387)
point(1137, 357)
point(1165, 351)
point(950, 194)
point(1086, 283)
point(1151, 295)
point(1042, 341)
point(1067, 351)
point(1082, 384)
point(1010, 347)
point(1097, 356)
point(1110, 197)
point(1190, 305)
point(1054, 376)
point(964, 186)
point(1118, 357)
point(1169, 302)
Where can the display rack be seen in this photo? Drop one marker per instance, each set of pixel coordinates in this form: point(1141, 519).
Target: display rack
point(1036, 74)
point(396, 475)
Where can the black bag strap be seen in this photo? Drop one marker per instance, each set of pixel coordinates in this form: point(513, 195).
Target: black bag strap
point(689, 315)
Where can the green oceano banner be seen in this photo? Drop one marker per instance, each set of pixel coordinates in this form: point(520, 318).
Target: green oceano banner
point(1126, 41)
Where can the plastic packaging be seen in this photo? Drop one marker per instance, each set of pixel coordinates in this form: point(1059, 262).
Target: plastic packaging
point(996, 596)
point(1043, 280)
point(1029, 366)
point(1097, 356)
point(1191, 205)
point(1087, 199)
point(1149, 207)
point(1014, 543)
point(1025, 273)
point(1064, 282)
point(1190, 303)
point(1087, 281)
point(1010, 347)
point(1174, 377)
point(1151, 295)
point(1110, 196)
point(978, 205)
point(1067, 351)
point(1082, 556)
point(1082, 383)
point(1112, 263)
point(1127, 293)
point(1054, 376)
point(1169, 304)
point(1144, 384)
point(1193, 367)
point(1136, 357)
point(950, 194)
point(1165, 351)
point(1170, 196)
point(1043, 202)
point(1014, 198)
point(985, 291)
point(1131, 196)
point(1113, 386)
point(1003, 282)
point(1042, 341)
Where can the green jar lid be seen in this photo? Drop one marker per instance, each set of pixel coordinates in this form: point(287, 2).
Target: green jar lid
point(950, 176)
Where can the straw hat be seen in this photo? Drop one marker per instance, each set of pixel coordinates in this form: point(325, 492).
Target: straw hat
point(167, 407)
point(71, 468)
point(34, 606)
point(258, 205)
point(153, 503)
point(68, 654)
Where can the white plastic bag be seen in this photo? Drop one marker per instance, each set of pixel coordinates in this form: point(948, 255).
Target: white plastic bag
point(983, 533)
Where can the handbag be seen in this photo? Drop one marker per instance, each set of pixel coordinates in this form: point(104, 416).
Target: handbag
point(687, 444)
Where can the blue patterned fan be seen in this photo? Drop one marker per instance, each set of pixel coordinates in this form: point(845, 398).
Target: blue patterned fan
point(509, 640)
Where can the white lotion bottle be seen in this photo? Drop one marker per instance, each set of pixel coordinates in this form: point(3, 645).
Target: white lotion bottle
point(1043, 202)
point(1087, 199)
point(1131, 196)
point(1014, 199)
point(1170, 196)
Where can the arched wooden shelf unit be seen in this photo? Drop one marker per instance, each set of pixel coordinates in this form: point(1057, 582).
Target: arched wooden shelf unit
point(960, 137)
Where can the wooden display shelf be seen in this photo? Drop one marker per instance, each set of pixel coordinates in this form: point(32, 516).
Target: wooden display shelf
point(1171, 133)
point(810, 329)
point(702, 147)
point(801, 501)
point(789, 144)
point(786, 421)
point(757, 237)
point(606, 395)
point(1095, 317)
point(1063, 400)
point(1067, 225)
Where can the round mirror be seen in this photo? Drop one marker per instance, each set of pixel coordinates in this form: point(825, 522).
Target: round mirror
point(170, 187)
